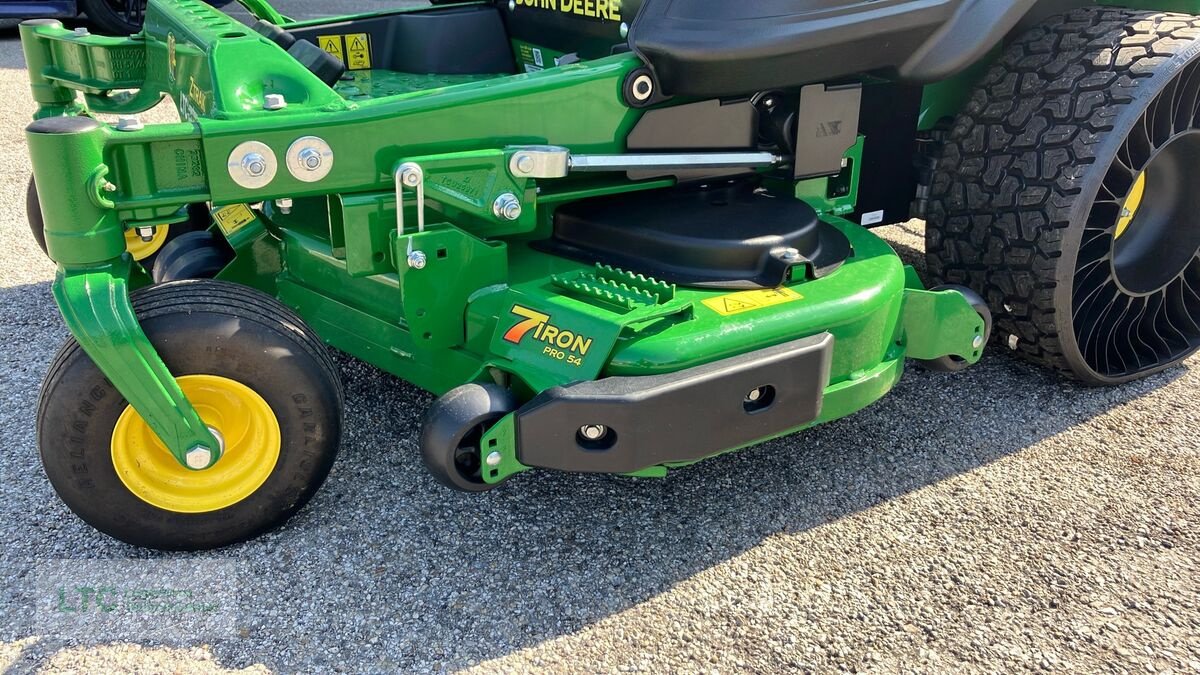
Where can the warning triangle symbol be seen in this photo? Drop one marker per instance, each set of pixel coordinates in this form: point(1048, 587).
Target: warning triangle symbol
point(357, 44)
point(735, 305)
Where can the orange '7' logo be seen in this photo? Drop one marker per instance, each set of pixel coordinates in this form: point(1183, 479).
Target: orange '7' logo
point(532, 320)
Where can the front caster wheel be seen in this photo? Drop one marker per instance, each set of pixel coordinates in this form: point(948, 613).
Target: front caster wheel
point(257, 376)
point(953, 364)
point(453, 429)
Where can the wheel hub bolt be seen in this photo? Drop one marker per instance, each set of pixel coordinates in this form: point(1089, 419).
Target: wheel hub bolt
point(593, 432)
point(494, 459)
point(417, 260)
point(978, 342)
point(199, 457)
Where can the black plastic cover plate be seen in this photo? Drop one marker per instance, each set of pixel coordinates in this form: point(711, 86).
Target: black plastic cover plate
point(725, 235)
point(683, 416)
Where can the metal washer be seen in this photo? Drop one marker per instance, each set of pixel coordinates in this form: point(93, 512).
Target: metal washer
point(296, 164)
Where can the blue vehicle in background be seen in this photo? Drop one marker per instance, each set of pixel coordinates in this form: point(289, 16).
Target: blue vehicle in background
point(115, 17)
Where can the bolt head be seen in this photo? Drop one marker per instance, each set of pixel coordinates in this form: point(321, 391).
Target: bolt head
point(284, 205)
point(417, 260)
point(494, 459)
point(789, 255)
point(525, 163)
point(411, 177)
point(593, 432)
point(254, 164)
point(512, 5)
point(82, 30)
point(754, 395)
point(507, 206)
point(199, 457)
point(624, 29)
point(311, 159)
point(129, 124)
point(978, 342)
point(274, 102)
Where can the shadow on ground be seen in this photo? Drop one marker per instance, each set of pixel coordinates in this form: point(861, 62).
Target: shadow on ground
point(387, 560)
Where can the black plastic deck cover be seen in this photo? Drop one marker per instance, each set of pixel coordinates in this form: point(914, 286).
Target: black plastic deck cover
point(728, 235)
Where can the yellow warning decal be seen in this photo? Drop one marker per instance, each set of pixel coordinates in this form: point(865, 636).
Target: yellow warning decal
point(233, 218)
point(333, 45)
point(736, 303)
point(358, 51)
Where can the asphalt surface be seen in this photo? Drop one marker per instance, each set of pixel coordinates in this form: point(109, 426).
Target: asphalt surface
point(996, 520)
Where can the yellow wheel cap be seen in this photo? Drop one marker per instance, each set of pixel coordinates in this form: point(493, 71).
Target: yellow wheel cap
point(1132, 203)
point(237, 414)
point(141, 248)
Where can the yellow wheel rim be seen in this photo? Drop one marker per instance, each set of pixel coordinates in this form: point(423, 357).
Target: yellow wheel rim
point(1130, 208)
point(237, 414)
point(141, 249)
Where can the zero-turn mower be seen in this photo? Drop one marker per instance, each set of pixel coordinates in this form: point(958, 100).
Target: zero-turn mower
point(612, 236)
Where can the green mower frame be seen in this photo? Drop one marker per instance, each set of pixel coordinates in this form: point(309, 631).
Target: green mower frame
point(403, 217)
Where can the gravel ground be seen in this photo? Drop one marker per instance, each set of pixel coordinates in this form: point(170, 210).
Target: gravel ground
point(996, 520)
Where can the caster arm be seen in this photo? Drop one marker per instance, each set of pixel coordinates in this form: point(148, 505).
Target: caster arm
point(86, 238)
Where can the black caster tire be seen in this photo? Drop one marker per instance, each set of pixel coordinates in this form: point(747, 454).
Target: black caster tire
point(1062, 194)
point(954, 364)
point(194, 255)
point(115, 17)
point(453, 428)
point(144, 252)
point(255, 372)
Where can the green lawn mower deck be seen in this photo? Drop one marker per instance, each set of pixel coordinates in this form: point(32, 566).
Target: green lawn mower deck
point(603, 250)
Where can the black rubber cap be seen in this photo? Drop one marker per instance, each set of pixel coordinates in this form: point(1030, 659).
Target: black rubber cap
point(274, 33)
point(318, 61)
point(75, 124)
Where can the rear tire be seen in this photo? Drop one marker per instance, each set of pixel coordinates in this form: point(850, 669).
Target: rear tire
point(1029, 193)
point(213, 333)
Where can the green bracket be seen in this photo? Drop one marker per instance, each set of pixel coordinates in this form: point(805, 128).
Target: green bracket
point(465, 186)
point(439, 270)
point(95, 306)
point(934, 324)
point(501, 439)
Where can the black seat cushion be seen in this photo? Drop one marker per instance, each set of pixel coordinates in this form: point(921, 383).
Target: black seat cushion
point(721, 48)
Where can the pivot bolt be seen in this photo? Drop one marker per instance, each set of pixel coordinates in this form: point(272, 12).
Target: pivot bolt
point(254, 164)
point(494, 459)
point(525, 164)
point(274, 102)
point(624, 29)
point(199, 457)
point(412, 176)
point(129, 124)
point(284, 205)
point(146, 234)
point(754, 394)
point(978, 342)
point(310, 158)
point(507, 206)
point(593, 432)
point(417, 260)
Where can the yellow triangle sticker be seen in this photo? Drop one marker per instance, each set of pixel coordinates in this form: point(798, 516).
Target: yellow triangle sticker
point(748, 301)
